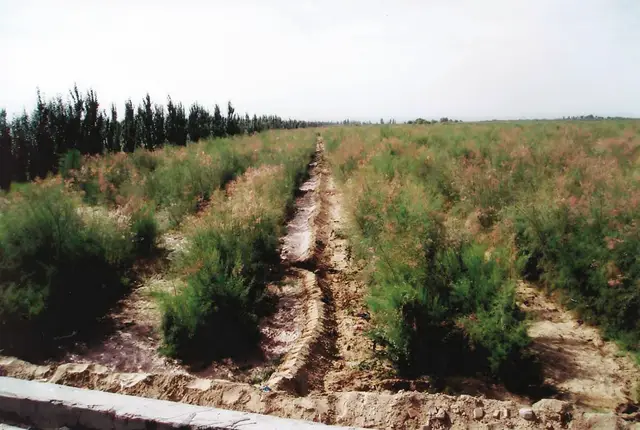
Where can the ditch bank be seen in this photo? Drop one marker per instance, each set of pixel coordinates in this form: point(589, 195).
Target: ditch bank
point(402, 410)
point(28, 403)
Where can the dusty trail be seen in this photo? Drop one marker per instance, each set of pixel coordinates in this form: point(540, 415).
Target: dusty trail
point(331, 352)
point(353, 367)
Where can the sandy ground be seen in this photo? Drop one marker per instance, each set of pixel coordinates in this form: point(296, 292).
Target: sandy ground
point(134, 338)
point(354, 367)
point(577, 362)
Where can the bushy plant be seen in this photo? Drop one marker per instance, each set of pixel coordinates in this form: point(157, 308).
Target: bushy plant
point(144, 227)
point(188, 177)
point(59, 270)
point(230, 257)
point(214, 316)
point(591, 260)
point(440, 302)
point(72, 160)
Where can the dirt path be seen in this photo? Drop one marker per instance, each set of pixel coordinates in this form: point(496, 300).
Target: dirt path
point(299, 325)
point(331, 351)
point(585, 369)
point(354, 366)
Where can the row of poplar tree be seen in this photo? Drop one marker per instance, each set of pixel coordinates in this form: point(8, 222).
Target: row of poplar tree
point(31, 145)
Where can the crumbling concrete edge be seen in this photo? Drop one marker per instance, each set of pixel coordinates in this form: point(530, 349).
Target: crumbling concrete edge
point(47, 405)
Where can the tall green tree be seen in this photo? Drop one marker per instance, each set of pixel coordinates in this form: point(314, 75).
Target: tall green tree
point(145, 123)
point(200, 123)
point(75, 111)
point(218, 127)
point(6, 152)
point(92, 126)
point(43, 154)
point(233, 123)
point(21, 130)
point(113, 132)
point(159, 134)
point(129, 128)
point(176, 125)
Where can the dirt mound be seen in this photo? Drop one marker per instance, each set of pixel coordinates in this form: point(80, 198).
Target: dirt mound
point(402, 410)
point(292, 374)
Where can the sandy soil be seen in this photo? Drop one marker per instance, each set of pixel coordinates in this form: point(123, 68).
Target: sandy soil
point(354, 367)
point(577, 362)
point(133, 339)
point(385, 410)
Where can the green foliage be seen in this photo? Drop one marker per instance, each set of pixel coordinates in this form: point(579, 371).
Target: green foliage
point(592, 260)
point(232, 266)
point(440, 302)
point(33, 145)
point(6, 155)
point(144, 161)
point(145, 230)
point(229, 259)
point(59, 271)
point(72, 160)
point(183, 182)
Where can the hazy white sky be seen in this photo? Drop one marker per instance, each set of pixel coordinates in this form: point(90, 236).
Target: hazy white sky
point(330, 60)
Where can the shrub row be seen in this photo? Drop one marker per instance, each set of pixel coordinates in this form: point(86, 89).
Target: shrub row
point(557, 202)
point(60, 269)
point(230, 257)
point(175, 180)
point(439, 306)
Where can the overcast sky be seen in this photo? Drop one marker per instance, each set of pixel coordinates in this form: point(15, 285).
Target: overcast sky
point(330, 60)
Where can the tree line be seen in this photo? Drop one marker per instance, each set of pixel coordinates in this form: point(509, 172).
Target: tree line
point(31, 145)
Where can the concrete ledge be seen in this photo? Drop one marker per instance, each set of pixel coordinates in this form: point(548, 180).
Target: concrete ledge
point(48, 405)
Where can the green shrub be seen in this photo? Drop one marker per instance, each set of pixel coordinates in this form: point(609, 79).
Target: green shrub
point(144, 160)
point(440, 304)
point(186, 179)
point(214, 316)
point(59, 272)
point(455, 313)
point(592, 260)
point(72, 160)
point(229, 259)
point(145, 230)
point(232, 264)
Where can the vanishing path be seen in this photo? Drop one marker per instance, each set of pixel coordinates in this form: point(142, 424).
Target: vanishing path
point(321, 315)
point(298, 327)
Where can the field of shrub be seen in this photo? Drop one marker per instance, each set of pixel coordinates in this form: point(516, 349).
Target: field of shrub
point(232, 253)
point(451, 217)
point(69, 244)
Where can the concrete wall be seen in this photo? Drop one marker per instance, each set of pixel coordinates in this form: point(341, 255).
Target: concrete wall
point(48, 405)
